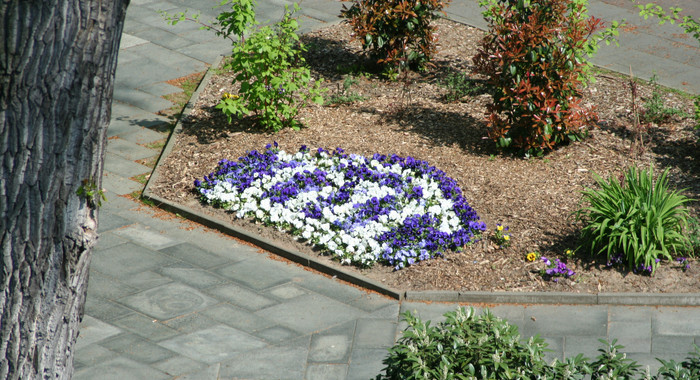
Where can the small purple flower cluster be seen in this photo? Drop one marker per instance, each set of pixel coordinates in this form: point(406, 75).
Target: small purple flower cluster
point(556, 269)
point(617, 259)
point(330, 184)
point(684, 262)
point(645, 269)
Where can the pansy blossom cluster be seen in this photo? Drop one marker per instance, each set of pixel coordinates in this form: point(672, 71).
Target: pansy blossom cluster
point(360, 209)
point(555, 269)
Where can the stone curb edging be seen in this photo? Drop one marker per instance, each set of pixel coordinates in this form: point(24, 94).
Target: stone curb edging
point(636, 299)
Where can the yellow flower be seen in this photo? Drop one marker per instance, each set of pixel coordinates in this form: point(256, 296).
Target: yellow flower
point(228, 95)
point(506, 237)
point(500, 228)
point(567, 252)
point(532, 256)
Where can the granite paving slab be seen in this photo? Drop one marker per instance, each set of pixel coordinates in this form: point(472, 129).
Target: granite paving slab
point(213, 345)
point(168, 301)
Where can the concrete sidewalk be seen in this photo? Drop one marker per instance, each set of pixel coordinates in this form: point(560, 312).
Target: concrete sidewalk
point(169, 299)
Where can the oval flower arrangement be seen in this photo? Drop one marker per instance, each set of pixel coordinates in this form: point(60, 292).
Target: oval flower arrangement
point(361, 210)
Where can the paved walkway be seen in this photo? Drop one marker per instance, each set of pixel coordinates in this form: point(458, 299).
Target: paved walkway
point(169, 299)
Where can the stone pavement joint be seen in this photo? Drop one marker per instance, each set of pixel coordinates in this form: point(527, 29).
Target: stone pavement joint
point(167, 300)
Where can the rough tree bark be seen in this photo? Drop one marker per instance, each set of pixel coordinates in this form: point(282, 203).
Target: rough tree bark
point(57, 64)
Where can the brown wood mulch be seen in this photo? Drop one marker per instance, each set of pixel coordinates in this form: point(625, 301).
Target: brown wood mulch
point(535, 197)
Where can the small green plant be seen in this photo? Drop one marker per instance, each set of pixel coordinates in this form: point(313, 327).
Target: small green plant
point(501, 236)
point(343, 94)
point(687, 23)
point(534, 56)
point(274, 80)
point(460, 85)
point(636, 217)
point(396, 33)
point(654, 108)
point(93, 196)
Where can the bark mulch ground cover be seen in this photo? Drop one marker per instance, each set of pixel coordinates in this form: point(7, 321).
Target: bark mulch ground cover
point(534, 197)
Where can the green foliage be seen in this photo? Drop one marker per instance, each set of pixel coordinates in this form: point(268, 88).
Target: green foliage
point(688, 23)
point(613, 364)
point(460, 85)
point(465, 346)
point(93, 196)
point(274, 80)
point(395, 33)
point(344, 95)
point(693, 233)
point(636, 217)
point(696, 106)
point(654, 108)
point(534, 56)
point(468, 346)
point(269, 64)
point(235, 22)
point(501, 236)
point(689, 369)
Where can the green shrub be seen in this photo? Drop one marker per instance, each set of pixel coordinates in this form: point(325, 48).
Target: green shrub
point(395, 33)
point(468, 346)
point(534, 58)
point(274, 80)
point(637, 218)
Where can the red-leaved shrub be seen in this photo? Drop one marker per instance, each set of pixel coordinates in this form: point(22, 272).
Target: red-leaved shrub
point(395, 33)
point(534, 58)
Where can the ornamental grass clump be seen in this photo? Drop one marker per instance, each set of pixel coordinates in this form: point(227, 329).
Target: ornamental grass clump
point(636, 218)
point(361, 210)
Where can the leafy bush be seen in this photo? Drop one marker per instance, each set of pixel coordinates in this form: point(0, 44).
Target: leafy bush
point(473, 346)
point(274, 81)
point(534, 58)
point(396, 33)
point(484, 347)
point(636, 217)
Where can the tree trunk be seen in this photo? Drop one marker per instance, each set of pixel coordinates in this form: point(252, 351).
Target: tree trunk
point(57, 64)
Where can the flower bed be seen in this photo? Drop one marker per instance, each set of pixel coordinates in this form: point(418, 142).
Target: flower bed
point(361, 210)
